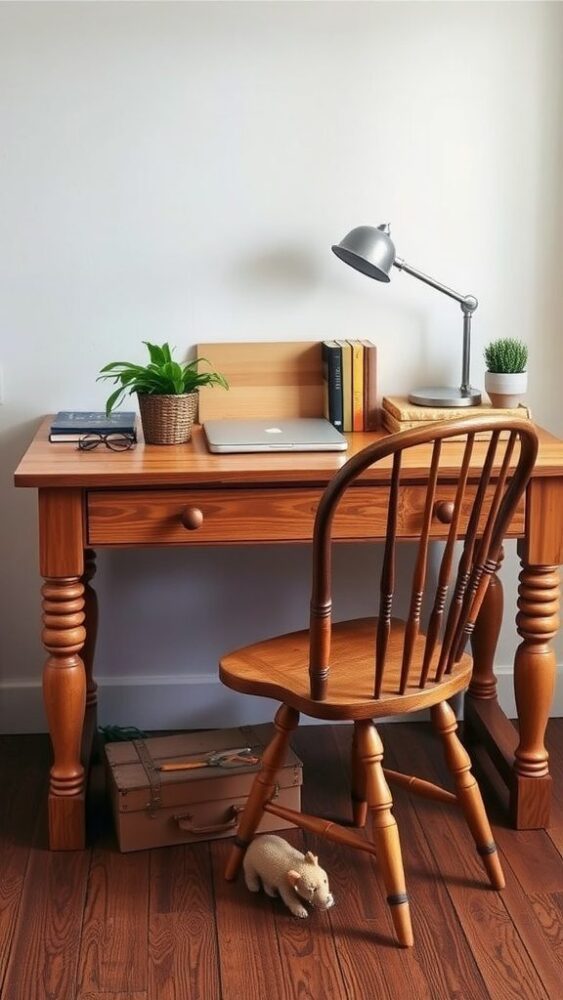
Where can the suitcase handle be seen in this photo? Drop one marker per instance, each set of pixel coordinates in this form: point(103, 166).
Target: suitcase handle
point(186, 823)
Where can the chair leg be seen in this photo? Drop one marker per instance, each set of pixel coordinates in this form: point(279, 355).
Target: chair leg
point(384, 830)
point(286, 721)
point(359, 802)
point(468, 792)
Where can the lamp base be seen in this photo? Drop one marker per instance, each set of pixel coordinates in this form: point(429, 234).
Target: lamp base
point(445, 397)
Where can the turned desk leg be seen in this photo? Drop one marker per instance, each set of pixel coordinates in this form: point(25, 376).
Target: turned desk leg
point(64, 691)
point(537, 622)
point(61, 559)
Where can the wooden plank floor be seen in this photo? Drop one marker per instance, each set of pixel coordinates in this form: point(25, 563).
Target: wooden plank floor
point(164, 925)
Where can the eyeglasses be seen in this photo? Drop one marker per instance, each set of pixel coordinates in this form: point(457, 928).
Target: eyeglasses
point(113, 441)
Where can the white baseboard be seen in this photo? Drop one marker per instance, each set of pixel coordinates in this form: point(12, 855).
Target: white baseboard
point(198, 701)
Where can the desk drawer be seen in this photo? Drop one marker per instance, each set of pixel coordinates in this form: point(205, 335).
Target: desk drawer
point(225, 516)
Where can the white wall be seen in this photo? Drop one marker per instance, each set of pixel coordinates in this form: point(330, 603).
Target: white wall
point(179, 172)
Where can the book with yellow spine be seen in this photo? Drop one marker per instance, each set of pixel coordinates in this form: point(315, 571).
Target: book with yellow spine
point(371, 407)
point(346, 349)
point(357, 385)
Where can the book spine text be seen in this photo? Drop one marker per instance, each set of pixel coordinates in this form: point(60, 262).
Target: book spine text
point(332, 373)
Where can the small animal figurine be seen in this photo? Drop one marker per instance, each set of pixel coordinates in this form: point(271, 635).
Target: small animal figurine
point(284, 870)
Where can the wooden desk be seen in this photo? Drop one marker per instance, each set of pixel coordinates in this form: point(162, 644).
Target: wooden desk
point(185, 496)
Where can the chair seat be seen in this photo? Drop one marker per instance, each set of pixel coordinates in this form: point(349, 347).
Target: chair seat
point(279, 668)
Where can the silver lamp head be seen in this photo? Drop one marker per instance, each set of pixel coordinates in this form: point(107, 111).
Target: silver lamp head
point(369, 249)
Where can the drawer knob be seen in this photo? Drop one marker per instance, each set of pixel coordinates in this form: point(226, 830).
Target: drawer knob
point(192, 518)
point(444, 511)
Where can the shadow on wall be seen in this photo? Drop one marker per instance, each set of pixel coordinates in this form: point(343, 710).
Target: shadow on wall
point(19, 569)
point(427, 366)
point(284, 269)
point(546, 351)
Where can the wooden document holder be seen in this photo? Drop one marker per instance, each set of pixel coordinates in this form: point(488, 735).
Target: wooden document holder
point(266, 380)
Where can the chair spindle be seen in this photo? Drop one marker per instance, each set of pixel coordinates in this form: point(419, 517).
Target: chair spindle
point(387, 577)
point(419, 576)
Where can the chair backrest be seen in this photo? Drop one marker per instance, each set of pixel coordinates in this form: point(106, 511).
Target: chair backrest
point(499, 478)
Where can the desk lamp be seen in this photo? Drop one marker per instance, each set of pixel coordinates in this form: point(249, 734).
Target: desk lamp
point(371, 250)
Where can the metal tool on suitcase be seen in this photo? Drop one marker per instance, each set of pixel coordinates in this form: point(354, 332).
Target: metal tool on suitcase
point(219, 758)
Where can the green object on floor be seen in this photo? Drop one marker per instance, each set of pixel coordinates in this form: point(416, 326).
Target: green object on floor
point(119, 734)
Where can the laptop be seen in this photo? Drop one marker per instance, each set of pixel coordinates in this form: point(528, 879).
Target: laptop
point(299, 434)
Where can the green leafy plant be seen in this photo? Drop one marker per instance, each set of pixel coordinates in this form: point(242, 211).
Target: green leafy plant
point(506, 355)
point(161, 377)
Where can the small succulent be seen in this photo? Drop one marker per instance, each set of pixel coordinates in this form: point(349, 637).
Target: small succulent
point(506, 355)
point(161, 377)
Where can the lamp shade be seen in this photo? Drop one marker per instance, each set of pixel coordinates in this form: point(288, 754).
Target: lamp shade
point(369, 249)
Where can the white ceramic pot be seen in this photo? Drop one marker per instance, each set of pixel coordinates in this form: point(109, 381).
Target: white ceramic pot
point(506, 389)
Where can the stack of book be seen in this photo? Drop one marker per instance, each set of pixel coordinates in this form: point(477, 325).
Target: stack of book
point(350, 384)
point(398, 414)
point(71, 425)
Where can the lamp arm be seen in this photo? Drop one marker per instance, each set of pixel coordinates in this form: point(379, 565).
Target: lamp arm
point(468, 306)
point(468, 302)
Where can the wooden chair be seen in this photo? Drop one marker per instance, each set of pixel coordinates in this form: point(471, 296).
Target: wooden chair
point(364, 669)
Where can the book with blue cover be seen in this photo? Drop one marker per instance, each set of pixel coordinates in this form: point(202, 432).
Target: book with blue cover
point(71, 425)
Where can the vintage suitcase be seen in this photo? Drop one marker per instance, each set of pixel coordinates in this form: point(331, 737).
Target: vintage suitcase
point(155, 808)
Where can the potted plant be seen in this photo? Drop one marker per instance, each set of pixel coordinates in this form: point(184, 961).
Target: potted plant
point(167, 392)
point(506, 378)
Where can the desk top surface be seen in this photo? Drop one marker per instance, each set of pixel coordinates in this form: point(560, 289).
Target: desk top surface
point(61, 465)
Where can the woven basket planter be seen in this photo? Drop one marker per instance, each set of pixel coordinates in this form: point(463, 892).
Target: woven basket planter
point(168, 419)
